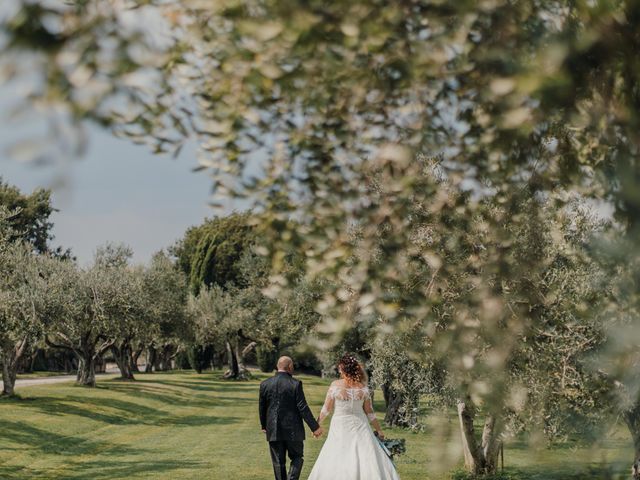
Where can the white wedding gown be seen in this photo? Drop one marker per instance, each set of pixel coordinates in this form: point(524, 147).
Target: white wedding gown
point(351, 451)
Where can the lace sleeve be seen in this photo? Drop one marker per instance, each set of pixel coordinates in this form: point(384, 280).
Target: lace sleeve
point(329, 402)
point(368, 408)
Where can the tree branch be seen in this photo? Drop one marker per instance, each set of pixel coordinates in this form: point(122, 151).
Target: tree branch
point(58, 345)
point(104, 347)
point(248, 348)
point(20, 348)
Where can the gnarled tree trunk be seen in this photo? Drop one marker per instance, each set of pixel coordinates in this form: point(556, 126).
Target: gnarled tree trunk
point(11, 355)
point(632, 420)
point(235, 356)
point(232, 359)
point(122, 354)
point(165, 356)
point(101, 364)
point(87, 371)
point(152, 356)
point(133, 359)
point(491, 443)
point(401, 410)
point(88, 352)
point(479, 458)
point(243, 353)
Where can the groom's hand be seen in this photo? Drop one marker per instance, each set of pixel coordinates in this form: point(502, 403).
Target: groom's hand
point(264, 431)
point(318, 433)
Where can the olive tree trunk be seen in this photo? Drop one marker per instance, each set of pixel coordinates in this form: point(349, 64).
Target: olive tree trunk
point(165, 356)
point(243, 353)
point(480, 456)
point(232, 359)
point(88, 352)
point(402, 410)
point(122, 354)
point(632, 420)
point(11, 355)
point(152, 355)
point(134, 357)
point(87, 371)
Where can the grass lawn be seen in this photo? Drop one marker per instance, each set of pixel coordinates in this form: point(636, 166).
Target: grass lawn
point(181, 425)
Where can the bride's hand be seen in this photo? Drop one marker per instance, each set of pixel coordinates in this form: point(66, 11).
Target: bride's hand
point(380, 435)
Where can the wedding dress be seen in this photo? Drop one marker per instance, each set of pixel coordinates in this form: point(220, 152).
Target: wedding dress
point(351, 451)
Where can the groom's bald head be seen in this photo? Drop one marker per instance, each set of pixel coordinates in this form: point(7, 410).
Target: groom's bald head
point(285, 364)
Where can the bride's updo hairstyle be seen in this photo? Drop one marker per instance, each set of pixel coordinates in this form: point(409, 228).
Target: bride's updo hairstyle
point(352, 369)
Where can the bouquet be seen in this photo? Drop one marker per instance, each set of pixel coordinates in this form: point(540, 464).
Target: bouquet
point(392, 446)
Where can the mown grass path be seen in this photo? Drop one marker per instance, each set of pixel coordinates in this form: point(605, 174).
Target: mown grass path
point(181, 425)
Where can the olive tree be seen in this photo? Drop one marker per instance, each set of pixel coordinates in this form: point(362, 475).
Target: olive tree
point(22, 292)
point(492, 338)
point(219, 319)
point(282, 323)
point(128, 318)
point(167, 324)
point(405, 378)
point(100, 305)
point(254, 319)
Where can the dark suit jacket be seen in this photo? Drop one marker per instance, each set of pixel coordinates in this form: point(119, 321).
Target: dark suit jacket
point(283, 407)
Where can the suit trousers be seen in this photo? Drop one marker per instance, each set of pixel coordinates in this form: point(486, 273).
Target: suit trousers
point(279, 450)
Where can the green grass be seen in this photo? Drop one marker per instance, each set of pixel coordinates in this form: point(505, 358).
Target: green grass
point(183, 426)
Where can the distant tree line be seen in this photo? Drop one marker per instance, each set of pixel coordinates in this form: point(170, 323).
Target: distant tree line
point(201, 306)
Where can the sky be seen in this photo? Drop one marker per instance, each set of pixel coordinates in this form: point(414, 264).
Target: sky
point(117, 192)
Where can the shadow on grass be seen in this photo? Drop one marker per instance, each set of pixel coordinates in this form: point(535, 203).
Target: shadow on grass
point(19, 436)
point(209, 386)
point(213, 390)
point(162, 395)
point(198, 421)
point(27, 436)
point(126, 413)
point(205, 398)
point(110, 468)
point(119, 412)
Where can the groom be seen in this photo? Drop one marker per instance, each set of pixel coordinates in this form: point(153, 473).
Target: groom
point(282, 409)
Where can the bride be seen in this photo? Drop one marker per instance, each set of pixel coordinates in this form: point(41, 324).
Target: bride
point(351, 451)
